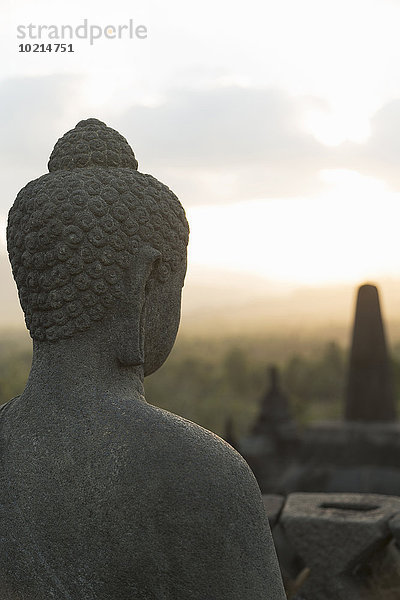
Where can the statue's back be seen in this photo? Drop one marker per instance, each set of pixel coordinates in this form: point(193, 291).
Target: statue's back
point(102, 496)
point(125, 502)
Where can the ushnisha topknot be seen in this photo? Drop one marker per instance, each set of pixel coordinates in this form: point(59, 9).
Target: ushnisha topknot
point(92, 144)
point(72, 232)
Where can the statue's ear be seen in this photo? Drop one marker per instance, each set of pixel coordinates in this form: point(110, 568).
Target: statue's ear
point(130, 314)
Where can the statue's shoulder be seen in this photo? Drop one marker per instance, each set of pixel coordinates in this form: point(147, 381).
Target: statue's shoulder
point(209, 512)
point(189, 452)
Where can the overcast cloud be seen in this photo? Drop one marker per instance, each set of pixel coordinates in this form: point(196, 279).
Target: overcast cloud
point(286, 109)
point(220, 144)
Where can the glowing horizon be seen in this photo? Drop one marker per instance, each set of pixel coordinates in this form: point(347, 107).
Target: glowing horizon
point(276, 131)
point(346, 235)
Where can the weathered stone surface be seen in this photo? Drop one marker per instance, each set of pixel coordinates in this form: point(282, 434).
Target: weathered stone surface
point(347, 457)
point(103, 496)
point(334, 535)
point(370, 394)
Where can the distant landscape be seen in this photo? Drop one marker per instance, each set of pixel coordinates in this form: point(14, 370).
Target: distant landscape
point(233, 327)
point(210, 378)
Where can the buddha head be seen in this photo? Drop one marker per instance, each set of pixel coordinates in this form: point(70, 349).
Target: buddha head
point(94, 244)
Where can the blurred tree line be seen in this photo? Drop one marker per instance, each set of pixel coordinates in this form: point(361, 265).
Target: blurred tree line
point(228, 379)
point(212, 380)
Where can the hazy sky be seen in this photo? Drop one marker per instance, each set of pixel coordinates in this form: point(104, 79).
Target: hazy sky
point(276, 123)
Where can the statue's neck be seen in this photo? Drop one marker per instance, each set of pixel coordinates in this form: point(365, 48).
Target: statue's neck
point(83, 368)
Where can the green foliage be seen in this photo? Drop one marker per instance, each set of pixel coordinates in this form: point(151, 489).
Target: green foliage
point(212, 380)
point(316, 385)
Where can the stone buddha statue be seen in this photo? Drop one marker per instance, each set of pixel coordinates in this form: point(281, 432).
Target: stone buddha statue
point(103, 496)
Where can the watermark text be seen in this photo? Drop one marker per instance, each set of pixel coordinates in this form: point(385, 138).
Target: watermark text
point(84, 31)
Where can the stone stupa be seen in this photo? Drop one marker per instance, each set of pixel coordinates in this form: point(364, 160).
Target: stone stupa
point(370, 393)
